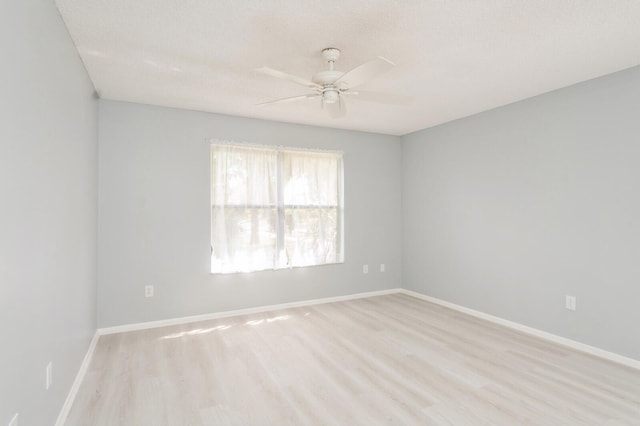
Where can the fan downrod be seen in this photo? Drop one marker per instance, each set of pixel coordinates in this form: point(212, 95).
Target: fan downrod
point(326, 78)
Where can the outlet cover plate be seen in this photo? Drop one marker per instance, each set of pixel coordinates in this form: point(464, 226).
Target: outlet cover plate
point(570, 303)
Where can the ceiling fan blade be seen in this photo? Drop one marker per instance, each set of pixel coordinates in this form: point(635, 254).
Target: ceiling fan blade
point(289, 77)
point(337, 109)
point(385, 98)
point(365, 72)
point(289, 99)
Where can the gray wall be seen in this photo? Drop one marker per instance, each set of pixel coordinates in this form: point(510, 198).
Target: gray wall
point(48, 210)
point(154, 215)
point(510, 210)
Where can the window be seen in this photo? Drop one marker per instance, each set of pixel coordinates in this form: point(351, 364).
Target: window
point(274, 208)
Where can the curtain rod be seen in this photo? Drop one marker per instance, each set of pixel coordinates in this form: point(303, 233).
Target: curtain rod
point(215, 141)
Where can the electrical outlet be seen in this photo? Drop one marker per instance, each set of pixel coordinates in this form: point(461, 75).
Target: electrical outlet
point(14, 420)
point(382, 267)
point(570, 303)
point(49, 376)
point(365, 269)
point(148, 291)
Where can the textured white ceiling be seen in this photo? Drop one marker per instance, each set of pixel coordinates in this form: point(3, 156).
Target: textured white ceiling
point(456, 58)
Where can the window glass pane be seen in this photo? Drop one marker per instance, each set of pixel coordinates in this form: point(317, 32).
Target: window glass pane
point(244, 213)
point(312, 208)
point(243, 239)
point(311, 236)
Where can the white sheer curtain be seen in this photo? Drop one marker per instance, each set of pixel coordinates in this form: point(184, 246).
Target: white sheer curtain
point(274, 208)
point(243, 208)
point(312, 208)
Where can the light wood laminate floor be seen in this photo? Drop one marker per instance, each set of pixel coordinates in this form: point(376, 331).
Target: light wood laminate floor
point(382, 360)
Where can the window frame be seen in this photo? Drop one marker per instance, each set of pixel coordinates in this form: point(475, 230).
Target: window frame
point(281, 207)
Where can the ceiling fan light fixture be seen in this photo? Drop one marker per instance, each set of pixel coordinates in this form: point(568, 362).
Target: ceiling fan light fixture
point(330, 96)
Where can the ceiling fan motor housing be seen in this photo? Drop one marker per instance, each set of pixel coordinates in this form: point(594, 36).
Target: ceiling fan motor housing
point(327, 77)
point(330, 76)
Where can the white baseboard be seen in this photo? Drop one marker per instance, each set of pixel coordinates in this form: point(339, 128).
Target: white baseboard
point(66, 407)
point(247, 311)
point(629, 362)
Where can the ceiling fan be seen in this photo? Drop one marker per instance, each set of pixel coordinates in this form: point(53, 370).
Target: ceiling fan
point(332, 87)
